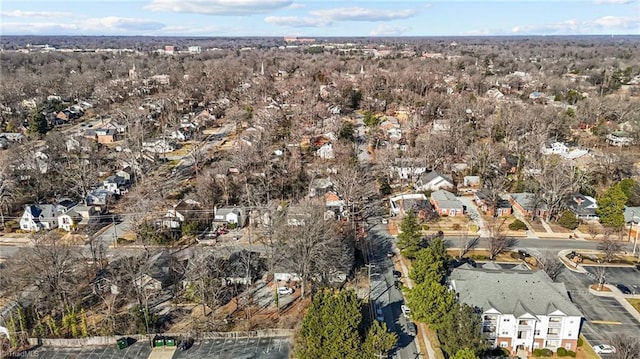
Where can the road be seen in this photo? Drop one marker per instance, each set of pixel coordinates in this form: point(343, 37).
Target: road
point(384, 294)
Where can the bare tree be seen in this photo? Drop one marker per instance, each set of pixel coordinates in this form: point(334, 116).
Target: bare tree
point(498, 239)
point(7, 191)
point(550, 263)
point(555, 184)
point(601, 272)
point(309, 244)
point(205, 281)
point(609, 247)
point(627, 346)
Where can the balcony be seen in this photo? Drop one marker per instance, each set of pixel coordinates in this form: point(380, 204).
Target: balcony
point(553, 336)
point(525, 328)
point(555, 324)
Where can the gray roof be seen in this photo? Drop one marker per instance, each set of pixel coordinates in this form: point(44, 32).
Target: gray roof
point(528, 201)
point(632, 214)
point(446, 199)
point(430, 176)
point(511, 291)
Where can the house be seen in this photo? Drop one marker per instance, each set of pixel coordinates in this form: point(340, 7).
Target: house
point(446, 204)
point(483, 200)
point(320, 186)
point(521, 309)
point(584, 207)
point(78, 216)
point(184, 211)
point(509, 163)
point(99, 198)
point(106, 135)
point(556, 148)
point(158, 146)
point(39, 216)
point(618, 140)
point(407, 168)
point(230, 215)
point(417, 202)
point(325, 151)
point(528, 204)
point(471, 181)
point(433, 181)
point(336, 207)
point(116, 184)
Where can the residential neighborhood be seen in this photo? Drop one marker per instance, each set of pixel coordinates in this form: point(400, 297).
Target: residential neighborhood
point(466, 198)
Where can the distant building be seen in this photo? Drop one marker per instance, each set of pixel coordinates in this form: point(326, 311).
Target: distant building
point(194, 49)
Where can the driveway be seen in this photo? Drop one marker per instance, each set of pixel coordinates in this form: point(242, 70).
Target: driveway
point(603, 316)
point(474, 213)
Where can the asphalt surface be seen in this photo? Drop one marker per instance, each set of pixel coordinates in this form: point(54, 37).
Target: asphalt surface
point(138, 350)
point(384, 293)
point(242, 348)
point(603, 316)
point(229, 348)
point(629, 277)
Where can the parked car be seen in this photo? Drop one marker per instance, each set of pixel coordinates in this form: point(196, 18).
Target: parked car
point(397, 274)
point(285, 291)
point(623, 288)
point(390, 254)
point(411, 329)
point(405, 311)
point(185, 344)
point(379, 315)
point(604, 349)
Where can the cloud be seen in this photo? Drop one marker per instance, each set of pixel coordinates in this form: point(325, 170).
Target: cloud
point(615, 2)
point(296, 5)
point(296, 21)
point(218, 7)
point(112, 25)
point(389, 30)
point(573, 26)
point(43, 14)
point(362, 14)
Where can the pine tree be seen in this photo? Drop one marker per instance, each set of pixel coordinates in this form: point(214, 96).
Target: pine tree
point(330, 327)
point(611, 207)
point(465, 353)
point(379, 341)
point(431, 303)
point(463, 331)
point(410, 236)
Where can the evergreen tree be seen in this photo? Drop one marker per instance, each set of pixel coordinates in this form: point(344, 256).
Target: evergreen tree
point(410, 236)
point(37, 122)
point(431, 303)
point(611, 207)
point(330, 327)
point(463, 331)
point(379, 341)
point(465, 353)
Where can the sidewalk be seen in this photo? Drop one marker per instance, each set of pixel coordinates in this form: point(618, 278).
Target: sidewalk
point(431, 354)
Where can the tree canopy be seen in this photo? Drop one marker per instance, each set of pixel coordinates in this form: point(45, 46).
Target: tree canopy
point(611, 206)
point(331, 329)
point(463, 332)
point(410, 236)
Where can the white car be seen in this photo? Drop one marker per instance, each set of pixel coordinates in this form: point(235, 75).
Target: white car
point(285, 291)
point(604, 349)
point(405, 311)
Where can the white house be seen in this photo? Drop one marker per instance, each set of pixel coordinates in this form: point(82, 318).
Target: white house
point(407, 168)
point(556, 148)
point(433, 181)
point(325, 151)
point(521, 309)
point(39, 216)
point(158, 146)
point(77, 216)
point(230, 215)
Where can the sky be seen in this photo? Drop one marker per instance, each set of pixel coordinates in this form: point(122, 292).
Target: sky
point(319, 18)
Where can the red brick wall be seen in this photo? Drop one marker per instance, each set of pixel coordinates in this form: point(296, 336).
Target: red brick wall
point(573, 342)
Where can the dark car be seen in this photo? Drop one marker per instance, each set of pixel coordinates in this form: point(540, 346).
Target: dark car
point(411, 329)
point(185, 344)
point(623, 288)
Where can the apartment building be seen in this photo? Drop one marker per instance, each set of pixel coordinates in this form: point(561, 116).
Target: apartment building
point(522, 310)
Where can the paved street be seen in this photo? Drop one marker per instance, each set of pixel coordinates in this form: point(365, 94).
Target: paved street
point(384, 293)
point(629, 277)
point(603, 315)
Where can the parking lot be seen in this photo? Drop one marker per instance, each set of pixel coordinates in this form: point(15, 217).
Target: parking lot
point(603, 316)
point(224, 348)
point(137, 350)
point(241, 348)
point(627, 276)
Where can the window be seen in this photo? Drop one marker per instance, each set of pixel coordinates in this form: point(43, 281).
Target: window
point(570, 334)
point(505, 332)
point(536, 345)
point(504, 344)
point(567, 346)
point(506, 320)
point(536, 332)
point(523, 322)
point(555, 320)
